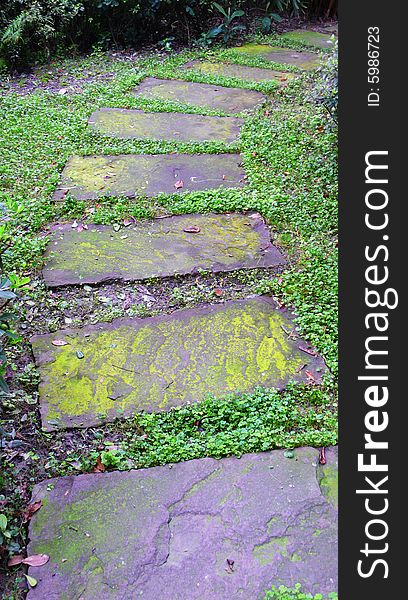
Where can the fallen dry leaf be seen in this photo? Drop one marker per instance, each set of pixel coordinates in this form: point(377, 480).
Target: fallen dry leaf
point(15, 560)
point(30, 510)
point(99, 467)
point(33, 582)
point(179, 184)
point(36, 560)
point(307, 350)
point(218, 292)
point(59, 343)
point(322, 456)
point(192, 229)
point(311, 378)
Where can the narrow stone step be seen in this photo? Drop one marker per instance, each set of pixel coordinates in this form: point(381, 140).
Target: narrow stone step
point(238, 71)
point(204, 529)
point(129, 124)
point(314, 38)
point(216, 97)
point(159, 248)
point(113, 370)
point(90, 177)
point(284, 56)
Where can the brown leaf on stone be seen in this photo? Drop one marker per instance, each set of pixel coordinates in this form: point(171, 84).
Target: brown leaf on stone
point(310, 377)
point(192, 229)
point(36, 560)
point(15, 560)
point(307, 350)
point(322, 456)
point(218, 292)
point(30, 510)
point(99, 467)
point(59, 343)
point(179, 184)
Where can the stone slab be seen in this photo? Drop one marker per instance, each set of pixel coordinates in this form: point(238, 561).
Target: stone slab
point(200, 530)
point(216, 97)
point(116, 369)
point(159, 248)
point(238, 71)
point(284, 56)
point(314, 38)
point(137, 124)
point(131, 175)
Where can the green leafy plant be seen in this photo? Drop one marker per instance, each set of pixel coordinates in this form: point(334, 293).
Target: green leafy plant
point(284, 593)
point(227, 29)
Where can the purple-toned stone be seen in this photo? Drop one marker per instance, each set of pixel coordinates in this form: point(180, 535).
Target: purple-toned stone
point(200, 530)
point(159, 248)
point(132, 175)
point(114, 370)
point(137, 124)
point(284, 56)
point(216, 97)
point(254, 74)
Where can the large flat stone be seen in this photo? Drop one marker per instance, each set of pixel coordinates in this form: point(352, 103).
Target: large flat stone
point(238, 71)
point(200, 530)
point(216, 97)
point(127, 124)
point(313, 38)
point(156, 363)
point(284, 56)
point(159, 248)
point(131, 175)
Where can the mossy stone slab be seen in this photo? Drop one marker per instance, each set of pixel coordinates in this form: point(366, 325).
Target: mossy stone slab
point(238, 71)
point(198, 530)
point(313, 38)
point(159, 248)
point(131, 175)
point(284, 56)
point(137, 124)
point(113, 370)
point(216, 97)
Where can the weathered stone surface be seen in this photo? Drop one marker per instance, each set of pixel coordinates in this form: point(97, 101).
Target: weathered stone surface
point(123, 123)
point(113, 370)
point(284, 56)
point(200, 530)
point(238, 71)
point(159, 248)
point(90, 177)
point(314, 38)
point(216, 97)
point(328, 477)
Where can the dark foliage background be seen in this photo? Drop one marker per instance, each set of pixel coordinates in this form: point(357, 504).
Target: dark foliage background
point(34, 30)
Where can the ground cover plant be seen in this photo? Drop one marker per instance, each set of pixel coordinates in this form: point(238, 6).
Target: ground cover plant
point(289, 157)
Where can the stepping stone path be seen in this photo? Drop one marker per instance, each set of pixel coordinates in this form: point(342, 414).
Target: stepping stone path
point(159, 248)
point(203, 529)
point(314, 38)
point(130, 365)
point(285, 56)
point(127, 124)
point(91, 177)
point(216, 97)
point(200, 530)
point(238, 71)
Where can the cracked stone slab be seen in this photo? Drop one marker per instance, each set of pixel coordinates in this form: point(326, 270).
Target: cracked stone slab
point(314, 38)
point(131, 175)
point(284, 56)
point(238, 71)
point(203, 529)
point(116, 369)
point(129, 124)
point(159, 248)
point(216, 97)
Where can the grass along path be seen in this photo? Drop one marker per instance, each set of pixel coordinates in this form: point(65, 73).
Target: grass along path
point(289, 156)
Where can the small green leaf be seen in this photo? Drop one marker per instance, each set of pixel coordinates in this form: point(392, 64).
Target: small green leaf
point(3, 522)
point(289, 454)
point(32, 582)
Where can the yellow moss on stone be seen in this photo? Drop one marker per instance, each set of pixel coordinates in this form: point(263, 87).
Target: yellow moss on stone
point(154, 364)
